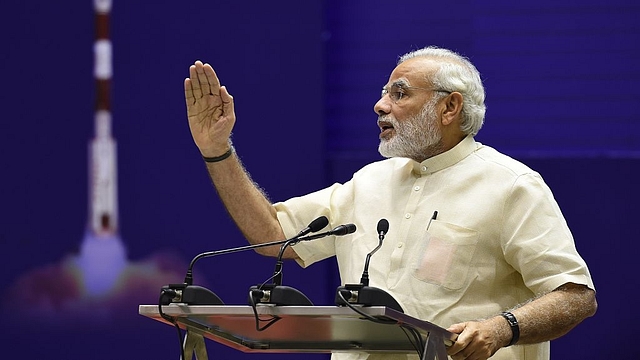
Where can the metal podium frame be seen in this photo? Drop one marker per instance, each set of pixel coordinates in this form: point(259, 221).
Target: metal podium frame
point(310, 329)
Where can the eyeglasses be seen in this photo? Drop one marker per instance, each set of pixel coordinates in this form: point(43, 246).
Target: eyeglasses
point(397, 91)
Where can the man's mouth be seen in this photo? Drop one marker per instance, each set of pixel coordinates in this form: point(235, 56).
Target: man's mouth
point(386, 128)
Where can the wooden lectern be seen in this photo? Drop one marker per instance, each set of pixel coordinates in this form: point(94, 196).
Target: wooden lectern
point(303, 329)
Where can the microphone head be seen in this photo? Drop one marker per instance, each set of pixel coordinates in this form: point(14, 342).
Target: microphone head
point(318, 224)
point(351, 228)
point(344, 230)
point(383, 226)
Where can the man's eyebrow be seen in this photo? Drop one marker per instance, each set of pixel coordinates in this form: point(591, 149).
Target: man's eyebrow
point(401, 83)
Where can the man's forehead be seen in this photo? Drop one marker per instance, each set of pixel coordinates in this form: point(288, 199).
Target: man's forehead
point(413, 72)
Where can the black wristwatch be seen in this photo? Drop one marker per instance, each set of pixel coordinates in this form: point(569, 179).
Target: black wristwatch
point(513, 324)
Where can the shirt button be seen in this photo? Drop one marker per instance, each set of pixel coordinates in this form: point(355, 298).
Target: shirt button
point(424, 168)
point(407, 216)
point(400, 245)
point(416, 188)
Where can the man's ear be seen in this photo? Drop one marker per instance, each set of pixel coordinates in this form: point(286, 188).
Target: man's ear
point(452, 108)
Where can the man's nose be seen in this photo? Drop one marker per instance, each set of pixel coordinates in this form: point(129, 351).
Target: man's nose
point(382, 106)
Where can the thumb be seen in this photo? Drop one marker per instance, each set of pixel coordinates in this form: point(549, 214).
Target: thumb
point(227, 102)
point(457, 328)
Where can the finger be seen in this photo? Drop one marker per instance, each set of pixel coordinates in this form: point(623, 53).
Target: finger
point(227, 103)
point(212, 79)
point(456, 328)
point(461, 343)
point(456, 349)
point(202, 79)
point(188, 92)
point(195, 83)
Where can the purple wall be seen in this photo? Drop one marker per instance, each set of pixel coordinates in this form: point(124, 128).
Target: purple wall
point(561, 97)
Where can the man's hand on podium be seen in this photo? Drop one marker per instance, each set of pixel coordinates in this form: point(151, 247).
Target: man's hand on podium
point(479, 340)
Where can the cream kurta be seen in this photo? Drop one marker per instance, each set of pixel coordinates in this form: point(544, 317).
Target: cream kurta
point(498, 240)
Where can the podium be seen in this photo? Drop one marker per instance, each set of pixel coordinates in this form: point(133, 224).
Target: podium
point(303, 329)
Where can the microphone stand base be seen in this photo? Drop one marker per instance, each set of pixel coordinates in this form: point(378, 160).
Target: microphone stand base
point(188, 294)
point(279, 295)
point(366, 296)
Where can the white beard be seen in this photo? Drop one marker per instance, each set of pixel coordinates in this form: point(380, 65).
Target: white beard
point(417, 138)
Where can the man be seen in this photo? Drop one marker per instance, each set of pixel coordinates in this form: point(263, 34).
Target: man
point(479, 243)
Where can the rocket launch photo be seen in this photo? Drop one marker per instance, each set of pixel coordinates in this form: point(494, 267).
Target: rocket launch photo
point(100, 273)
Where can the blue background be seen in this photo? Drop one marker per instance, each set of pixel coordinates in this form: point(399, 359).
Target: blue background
point(562, 95)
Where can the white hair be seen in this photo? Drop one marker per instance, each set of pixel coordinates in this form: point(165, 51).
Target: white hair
point(457, 73)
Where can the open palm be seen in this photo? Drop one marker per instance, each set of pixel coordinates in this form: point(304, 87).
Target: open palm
point(209, 110)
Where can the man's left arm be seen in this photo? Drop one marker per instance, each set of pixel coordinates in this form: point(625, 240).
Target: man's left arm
point(542, 319)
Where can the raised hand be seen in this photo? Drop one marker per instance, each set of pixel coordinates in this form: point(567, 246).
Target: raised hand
point(209, 110)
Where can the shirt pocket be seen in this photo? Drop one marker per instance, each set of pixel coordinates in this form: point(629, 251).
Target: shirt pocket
point(444, 255)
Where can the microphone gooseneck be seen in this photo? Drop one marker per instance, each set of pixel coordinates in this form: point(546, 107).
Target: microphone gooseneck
point(314, 226)
point(337, 231)
point(188, 279)
point(340, 230)
point(383, 228)
point(197, 295)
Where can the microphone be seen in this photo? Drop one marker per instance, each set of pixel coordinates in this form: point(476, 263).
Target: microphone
point(362, 293)
point(315, 226)
point(278, 294)
point(383, 228)
point(198, 295)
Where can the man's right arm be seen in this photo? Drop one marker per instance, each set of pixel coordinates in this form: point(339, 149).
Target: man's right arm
point(247, 204)
point(211, 118)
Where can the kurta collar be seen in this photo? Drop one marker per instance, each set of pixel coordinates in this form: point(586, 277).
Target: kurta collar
point(447, 158)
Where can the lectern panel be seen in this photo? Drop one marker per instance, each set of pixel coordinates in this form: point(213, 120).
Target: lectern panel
point(301, 328)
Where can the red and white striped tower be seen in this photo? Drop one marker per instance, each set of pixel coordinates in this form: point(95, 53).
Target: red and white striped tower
point(103, 200)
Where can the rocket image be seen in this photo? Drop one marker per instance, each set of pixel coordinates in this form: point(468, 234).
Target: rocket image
point(102, 257)
point(98, 281)
point(103, 201)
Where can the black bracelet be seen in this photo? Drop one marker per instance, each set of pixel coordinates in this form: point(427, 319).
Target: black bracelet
point(219, 158)
point(515, 328)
